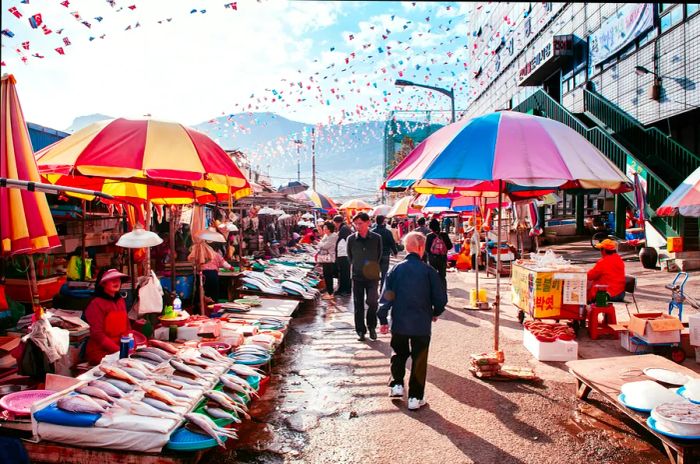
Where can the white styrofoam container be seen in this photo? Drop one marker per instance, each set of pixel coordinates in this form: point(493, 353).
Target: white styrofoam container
point(560, 350)
point(627, 343)
point(694, 325)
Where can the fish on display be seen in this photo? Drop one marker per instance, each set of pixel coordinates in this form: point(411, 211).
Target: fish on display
point(135, 373)
point(142, 409)
point(94, 392)
point(168, 383)
point(164, 355)
point(80, 403)
point(135, 364)
point(147, 357)
point(158, 404)
point(120, 384)
point(197, 363)
point(212, 353)
point(163, 346)
point(219, 413)
point(180, 366)
point(209, 427)
point(237, 387)
point(107, 387)
point(160, 395)
point(117, 373)
point(174, 391)
point(185, 382)
point(242, 369)
point(226, 402)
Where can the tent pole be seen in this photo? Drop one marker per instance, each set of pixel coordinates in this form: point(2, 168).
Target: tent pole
point(497, 302)
point(149, 212)
point(83, 272)
point(475, 255)
point(171, 233)
point(36, 304)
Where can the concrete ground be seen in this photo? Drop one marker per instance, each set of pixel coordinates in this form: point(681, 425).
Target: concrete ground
point(328, 396)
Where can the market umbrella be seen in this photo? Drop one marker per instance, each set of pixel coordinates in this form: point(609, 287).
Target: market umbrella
point(685, 200)
point(161, 162)
point(26, 225)
point(356, 204)
point(498, 150)
point(381, 210)
point(402, 208)
point(292, 187)
point(319, 200)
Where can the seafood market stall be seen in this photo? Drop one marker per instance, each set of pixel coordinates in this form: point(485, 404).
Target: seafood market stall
point(611, 376)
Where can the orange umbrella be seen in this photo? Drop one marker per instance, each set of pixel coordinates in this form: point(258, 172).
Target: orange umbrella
point(26, 225)
point(356, 204)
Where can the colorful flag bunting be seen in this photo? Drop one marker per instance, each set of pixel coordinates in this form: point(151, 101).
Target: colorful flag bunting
point(35, 20)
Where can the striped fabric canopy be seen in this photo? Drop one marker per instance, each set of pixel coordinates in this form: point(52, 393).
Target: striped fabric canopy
point(319, 200)
point(685, 200)
point(518, 149)
point(163, 155)
point(26, 225)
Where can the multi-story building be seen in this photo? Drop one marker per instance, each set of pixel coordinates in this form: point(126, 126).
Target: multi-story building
point(625, 75)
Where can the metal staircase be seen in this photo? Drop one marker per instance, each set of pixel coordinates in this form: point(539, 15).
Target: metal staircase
point(657, 189)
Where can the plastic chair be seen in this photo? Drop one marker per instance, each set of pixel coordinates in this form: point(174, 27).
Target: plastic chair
point(630, 287)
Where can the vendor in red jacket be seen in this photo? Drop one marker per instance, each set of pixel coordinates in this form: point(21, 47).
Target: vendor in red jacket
point(106, 315)
point(608, 271)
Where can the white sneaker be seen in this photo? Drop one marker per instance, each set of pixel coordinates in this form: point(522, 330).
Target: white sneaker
point(396, 391)
point(415, 403)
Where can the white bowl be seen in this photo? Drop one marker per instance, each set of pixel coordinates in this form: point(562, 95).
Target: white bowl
point(678, 418)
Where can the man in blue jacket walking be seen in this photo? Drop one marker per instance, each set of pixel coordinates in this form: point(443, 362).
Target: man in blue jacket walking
point(416, 297)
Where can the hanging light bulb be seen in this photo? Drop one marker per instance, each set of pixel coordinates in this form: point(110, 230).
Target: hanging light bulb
point(139, 238)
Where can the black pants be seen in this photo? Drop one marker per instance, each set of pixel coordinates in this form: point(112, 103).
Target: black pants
point(343, 264)
point(328, 271)
point(370, 289)
point(211, 284)
point(383, 268)
point(415, 347)
point(439, 263)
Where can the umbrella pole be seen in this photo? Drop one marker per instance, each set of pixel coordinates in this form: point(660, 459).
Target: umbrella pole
point(83, 272)
point(149, 212)
point(172, 248)
point(497, 302)
point(475, 256)
point(36, 304)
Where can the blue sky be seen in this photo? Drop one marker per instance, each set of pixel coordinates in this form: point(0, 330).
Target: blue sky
point(315, 62)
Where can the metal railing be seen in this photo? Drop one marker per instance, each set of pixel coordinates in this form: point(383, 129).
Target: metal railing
point(657, 189)
point(656, 149)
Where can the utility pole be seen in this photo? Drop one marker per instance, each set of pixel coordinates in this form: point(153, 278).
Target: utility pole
point(298, 144)
point(313, 159)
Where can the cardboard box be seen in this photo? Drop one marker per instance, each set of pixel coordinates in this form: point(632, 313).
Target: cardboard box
point(627, 342)
point(560, 350)
point(694, 326)
point(656, 327)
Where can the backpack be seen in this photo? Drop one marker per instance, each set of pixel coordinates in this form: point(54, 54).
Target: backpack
point(438, 246)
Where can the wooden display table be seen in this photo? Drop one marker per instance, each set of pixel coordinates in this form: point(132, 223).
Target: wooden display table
point(59, 453)
point(607, 375)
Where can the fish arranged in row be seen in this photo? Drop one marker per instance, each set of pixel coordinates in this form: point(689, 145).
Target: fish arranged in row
point(162, 395)
point(218, 413)
point(210, 428)
point(80, 403)
point(163, 346)
point(183, 367)
point(247, 371)
point(143, 409)
point(238, 385)
point(94, 392)
point(118, 373)
point(227, 403)
point(108, 388)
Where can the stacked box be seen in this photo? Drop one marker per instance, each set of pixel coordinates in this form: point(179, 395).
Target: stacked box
point(486, 365)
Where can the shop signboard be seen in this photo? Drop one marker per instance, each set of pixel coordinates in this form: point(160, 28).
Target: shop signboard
point(625, 25)
point(560, 45)
point(633, 167)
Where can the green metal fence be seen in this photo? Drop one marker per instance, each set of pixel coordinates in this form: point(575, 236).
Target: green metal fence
point(657, 150)
point(657, 190)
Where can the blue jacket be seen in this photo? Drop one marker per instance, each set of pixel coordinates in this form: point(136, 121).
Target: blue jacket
point(414, 293)
point(388, 243)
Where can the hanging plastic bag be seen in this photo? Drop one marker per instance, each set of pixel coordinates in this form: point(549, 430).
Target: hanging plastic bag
point(150, 297)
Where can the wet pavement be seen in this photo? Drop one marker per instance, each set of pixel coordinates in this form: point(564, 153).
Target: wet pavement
point(327, 400)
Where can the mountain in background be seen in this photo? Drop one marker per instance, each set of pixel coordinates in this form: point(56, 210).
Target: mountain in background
point(349, 157)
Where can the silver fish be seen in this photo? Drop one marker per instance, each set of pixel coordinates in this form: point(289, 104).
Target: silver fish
point(158, 404)
point(212, 353)
point(135, 373)
point(209, 426)
point(219, 413)
point(242, 369)
point(143, 409)
point(107, 387)
point(94, 392)
point(238, 388)
point(135, 364)
point(147, 357)
point(185, 381)
point(226, 402)
point(174, 391)
point(80, 403)
point(117, 373)
point(163, 346)
point(120, 384)
point(164, 355)
point(180, 366)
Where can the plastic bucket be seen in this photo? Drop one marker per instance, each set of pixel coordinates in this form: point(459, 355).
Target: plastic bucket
point(483, 297)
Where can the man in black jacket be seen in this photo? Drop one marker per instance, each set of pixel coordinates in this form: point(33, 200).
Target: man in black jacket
point(388, 246)
point(416, 297)
point(341, 256)
point(437, 245)
point(364, 253)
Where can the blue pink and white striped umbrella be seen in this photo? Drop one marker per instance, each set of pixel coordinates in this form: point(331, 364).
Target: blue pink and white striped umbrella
point(519, 149)
point(685, 200)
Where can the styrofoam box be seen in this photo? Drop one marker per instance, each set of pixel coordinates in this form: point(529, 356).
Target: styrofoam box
point(560, 350)
point(627, 343)
point(694, 325)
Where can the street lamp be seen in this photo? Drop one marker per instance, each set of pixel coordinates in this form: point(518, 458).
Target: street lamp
point(298, 144)
point(641, 70)
point(450, 93)
point(655, 89)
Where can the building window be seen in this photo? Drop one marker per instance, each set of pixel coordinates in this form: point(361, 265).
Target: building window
point(691, 9)
point(646, 38)
point(580, 78)
point(663, 7)
point(670, 18)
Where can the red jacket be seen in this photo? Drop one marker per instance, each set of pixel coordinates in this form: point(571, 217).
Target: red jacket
point(610, 271)
point(108, 322)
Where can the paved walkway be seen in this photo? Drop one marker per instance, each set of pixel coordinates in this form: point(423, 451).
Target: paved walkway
point(329, 399)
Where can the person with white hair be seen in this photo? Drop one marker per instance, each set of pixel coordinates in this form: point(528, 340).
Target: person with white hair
point(415, 295)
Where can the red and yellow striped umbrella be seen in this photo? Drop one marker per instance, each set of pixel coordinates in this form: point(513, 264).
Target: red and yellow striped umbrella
point(319, 200)
point(26, 225)
point(144, 159)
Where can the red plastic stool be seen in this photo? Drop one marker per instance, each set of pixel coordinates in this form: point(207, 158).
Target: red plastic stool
point(596, 328)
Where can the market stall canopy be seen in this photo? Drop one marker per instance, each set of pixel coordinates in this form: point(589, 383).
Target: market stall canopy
point(356, 204)
point(131, 154)
point(26, 225)
point(292, 187)
point(531, 152)
point(685, 200)
point(318, 200)
point(403, 208)
point(381, 210)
